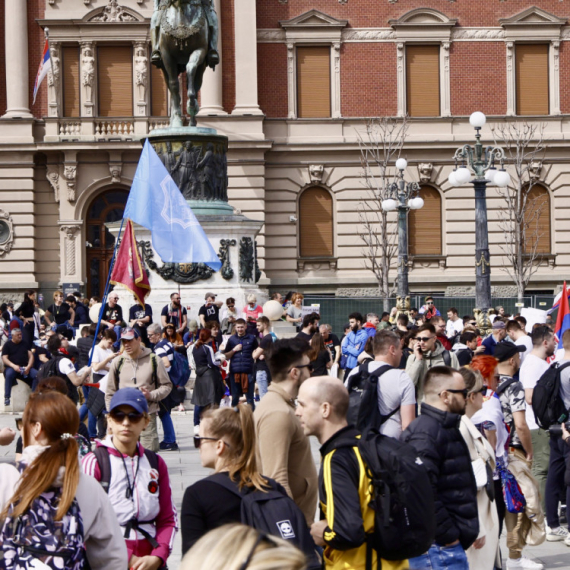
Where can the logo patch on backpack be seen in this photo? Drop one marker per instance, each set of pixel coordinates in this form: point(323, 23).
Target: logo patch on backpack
point(286, 529)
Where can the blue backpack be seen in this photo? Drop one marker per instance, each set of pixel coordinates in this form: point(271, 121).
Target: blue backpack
point(35, 537)
point(179, 370)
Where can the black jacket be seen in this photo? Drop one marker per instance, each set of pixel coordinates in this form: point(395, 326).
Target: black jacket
point(436, 437)
point(84, 345)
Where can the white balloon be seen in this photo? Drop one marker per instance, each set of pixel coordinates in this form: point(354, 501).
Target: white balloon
point(273, 310)
point(94, 312)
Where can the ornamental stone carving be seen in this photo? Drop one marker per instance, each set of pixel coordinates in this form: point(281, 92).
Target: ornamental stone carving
point(478, 34)
point(534, 170)
point(425, 170)
point(316, 172)
point(141, 72)
point(367, 34)
point(70, 232)
point(52, 175)
point(114, 13)
point(115, 170)
point(70, 174)
point(224, 255)
point(246, 259)
point(54, 76)
point(6, 233)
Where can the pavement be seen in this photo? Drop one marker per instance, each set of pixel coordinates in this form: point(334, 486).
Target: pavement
point(185, 469)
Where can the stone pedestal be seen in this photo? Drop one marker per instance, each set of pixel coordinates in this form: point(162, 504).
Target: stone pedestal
point(284, 329)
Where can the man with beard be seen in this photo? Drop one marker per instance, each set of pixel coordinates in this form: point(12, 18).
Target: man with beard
point(354, 342)
point(533, 367)
point(174, 313)
point(436, 437)
point(310, 327)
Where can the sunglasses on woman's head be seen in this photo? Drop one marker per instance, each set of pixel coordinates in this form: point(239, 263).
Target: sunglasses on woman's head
point(119, 417)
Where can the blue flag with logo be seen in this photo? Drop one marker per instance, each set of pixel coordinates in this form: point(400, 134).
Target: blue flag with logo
point(156, 203)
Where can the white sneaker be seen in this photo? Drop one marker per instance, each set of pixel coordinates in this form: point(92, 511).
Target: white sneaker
point(567, 540)
point(556, 534)
point(524, 563)
point(197, 430)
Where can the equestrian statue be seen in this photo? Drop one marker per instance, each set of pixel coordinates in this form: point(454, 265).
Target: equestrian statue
point(184, 36)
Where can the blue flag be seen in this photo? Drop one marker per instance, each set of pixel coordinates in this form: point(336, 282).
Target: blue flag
point(156, 203)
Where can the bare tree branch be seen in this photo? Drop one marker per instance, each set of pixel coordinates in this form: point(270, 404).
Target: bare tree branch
point(519, 219)
point(380, 146)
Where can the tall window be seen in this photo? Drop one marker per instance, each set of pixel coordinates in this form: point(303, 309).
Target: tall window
point(107, 207)
point(70, 72)
point(424, 226)
point(158, 95)
point(316, 223)
point(422, 81)
point(115, 66)
point(531, 69)
point(313, 82)
point(537, 220)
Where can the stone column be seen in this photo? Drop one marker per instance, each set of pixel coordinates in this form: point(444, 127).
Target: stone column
point(17, 84)
point(211, 92)
point(70, 231)
point(88, 79)
point(245, 31)
point(141, 81)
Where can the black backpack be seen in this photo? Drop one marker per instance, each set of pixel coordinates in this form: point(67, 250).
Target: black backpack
point(51, 368)
point(402, 498)
point(363, 402)
point(274, 512)
point(547, 403)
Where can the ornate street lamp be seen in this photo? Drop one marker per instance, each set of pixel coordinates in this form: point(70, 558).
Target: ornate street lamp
point(403, 197)
point(482, 162)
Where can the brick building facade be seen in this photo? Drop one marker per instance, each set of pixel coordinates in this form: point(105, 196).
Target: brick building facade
point(298, 82)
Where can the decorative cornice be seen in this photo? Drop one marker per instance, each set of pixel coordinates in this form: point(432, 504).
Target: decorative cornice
point(368, 34)
point(478, 34)
point(271, 36)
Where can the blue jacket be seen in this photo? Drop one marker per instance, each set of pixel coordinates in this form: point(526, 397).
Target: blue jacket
point(352, 345)
point(242, 362)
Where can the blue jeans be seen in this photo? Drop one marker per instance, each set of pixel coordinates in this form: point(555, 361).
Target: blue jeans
point(197, 412)
point(10, 376)
point(167, 426)
point(236, 391)
point(441, 558)
point(84, 411)
point(261, 379)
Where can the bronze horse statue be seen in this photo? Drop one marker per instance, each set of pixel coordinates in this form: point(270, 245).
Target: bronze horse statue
point(184, 36)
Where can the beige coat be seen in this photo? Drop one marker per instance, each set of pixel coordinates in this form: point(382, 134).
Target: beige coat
point(285, 450)
point(482, 558)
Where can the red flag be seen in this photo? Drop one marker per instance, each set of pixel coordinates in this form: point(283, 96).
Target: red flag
point(128, 270)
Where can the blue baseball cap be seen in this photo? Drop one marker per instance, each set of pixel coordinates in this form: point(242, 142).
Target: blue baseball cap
point(129, 397)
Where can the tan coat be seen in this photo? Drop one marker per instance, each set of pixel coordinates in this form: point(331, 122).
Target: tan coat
point(141, 370)
point(285, 450)
point(482, 558)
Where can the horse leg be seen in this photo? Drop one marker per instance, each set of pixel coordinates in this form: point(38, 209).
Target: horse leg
point(170, 70)
point(196, 58)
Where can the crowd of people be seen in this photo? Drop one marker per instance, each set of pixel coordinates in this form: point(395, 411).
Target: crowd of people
point(459, 403)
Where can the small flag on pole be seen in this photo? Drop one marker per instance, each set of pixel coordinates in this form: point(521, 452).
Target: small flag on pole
point(156, 203)
point(563, 318)
point(128, 270)
point(45, 66)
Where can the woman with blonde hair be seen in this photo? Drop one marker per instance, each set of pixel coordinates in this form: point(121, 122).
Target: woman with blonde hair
point(250, 550)
point(484, 553)
point(59, 510)
point(251, 313)
point(227, 444)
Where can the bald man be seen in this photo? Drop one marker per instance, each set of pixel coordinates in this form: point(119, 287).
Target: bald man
point(436, 437)
point(344, 491)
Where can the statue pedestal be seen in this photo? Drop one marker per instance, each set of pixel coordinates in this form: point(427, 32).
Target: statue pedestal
point(233, 238)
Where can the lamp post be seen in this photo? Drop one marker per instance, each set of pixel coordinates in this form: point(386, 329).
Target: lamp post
point(481, 161)
point(403, 197)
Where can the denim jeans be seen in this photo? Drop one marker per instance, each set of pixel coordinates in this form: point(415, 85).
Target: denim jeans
point(236, 391)
point(84, 411)
point(261, 379)
point(441, 558)
point(10, 376)
point(167, 427)
point(197, 412)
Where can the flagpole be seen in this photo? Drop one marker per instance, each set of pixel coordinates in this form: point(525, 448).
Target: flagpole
point(106, 292)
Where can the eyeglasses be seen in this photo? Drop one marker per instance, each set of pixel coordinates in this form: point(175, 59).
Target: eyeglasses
point(231, 306)
point(429, 303)
point(119, 417)
point(308, 366)
point(473, 323)
point(483, 391)
point(198, 440)
point(463, 392)
point(424, 338)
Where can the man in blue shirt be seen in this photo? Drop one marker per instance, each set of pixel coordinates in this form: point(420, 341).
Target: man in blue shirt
point(239, 350)
point(499, 333)
point(354, 342)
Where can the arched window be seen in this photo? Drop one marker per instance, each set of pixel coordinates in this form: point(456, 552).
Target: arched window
point(316, 223)
point(424, 226)
point(106, 207)
point(537, 220)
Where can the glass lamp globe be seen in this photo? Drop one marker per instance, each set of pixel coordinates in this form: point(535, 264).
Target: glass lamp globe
point(389, 204)
point(401, 164)
point(477, 119)
point(462, 175)
point(416, 203)
point(453, 179)
point(502, 178)
point(490, 175)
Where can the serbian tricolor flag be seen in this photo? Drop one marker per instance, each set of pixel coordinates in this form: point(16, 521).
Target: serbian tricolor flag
point(128, 270)
point(563, 319)
point(555, 304)
point(45, 66)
